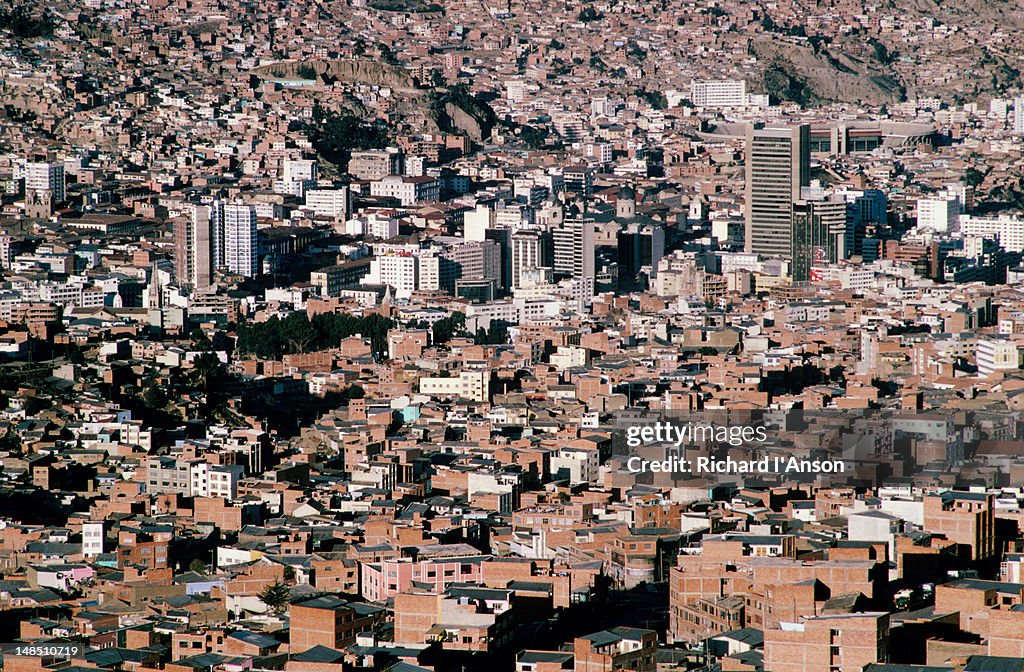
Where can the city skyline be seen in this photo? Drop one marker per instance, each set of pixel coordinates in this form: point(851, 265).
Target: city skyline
point(510, 336)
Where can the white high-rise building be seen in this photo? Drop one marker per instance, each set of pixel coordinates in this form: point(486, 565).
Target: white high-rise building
point(332, 203)
point(574, 247)
point(718, 93)
point(996, 353)
point(515, 90)
point(1009, 231)
point(48, 177)
point(937, 214)
point(399, 271)
point(527, 256)
point(240, 244)
point(476, 222)
point(1018, 115)
point(297, 170)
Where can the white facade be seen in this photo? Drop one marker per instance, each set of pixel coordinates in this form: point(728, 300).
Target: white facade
point(937, 214)
point(92, 538)
point(996, 354)
point(719, 93)
point(328, 202)
point(515, 90)
point(527, 256)
point(297, 170)
point(240, 251)
point(408, 190)
point(1007, 230)
point(582, 465)
point(470, 384)
point(399, 271)
point(45, 177)
point(476, 223)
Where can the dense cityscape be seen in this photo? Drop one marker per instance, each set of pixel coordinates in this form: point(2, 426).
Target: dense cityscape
point(494, 335)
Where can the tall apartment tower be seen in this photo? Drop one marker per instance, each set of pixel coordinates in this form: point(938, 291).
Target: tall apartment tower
point(199, 245)
point(42, 176)
point(44, 188)
point(1018, 115)
point(778, 165)
point(240, 253)
point(530, 252)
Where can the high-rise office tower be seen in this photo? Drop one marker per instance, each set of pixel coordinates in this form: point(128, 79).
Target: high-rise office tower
point(579, 180)
point(502, 237)
point(818, 235)
point(333, 203)
point(240, 253)
point(778, 165)
point(574, 246)
point(640, 248)
point(529, 253)
point(473, 260)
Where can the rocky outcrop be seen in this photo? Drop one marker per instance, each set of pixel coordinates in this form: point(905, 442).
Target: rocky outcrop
point(803, 74)
point(366, 72)
point(428, 109)
point(808, 76)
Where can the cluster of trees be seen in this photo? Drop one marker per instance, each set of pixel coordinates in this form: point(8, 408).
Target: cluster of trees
point(589, 14)
point(492, 337)
point(10, 442)
point(445, 329)
point(335, 135)
point(534, 137)
point(297, 334)
point(408, 6)
point(24, 23)
point(655, 99)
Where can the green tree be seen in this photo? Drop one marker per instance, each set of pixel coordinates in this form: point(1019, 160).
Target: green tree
point(209, 376)
point(306, 72)
point(289, 574)
point(655, 99)
point(275, 596)
point(10, 442)
point(33, 405)
point(445, 329)
point(153, 396)
point(197, 566)
point(335, 134)
point(533, 137)
point(298, 333)
point(199, 339)
point(23, 23)
point(973, 177)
